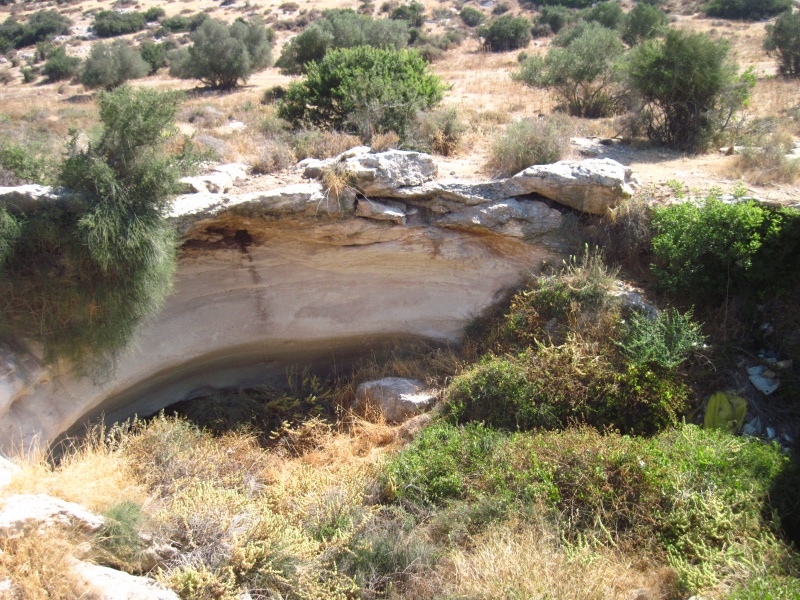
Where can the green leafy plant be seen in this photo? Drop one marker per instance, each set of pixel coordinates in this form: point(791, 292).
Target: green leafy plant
point(110, 65)
point(363, 89)
point(59, 65)
point(555, 17)
point(665, 339)
point(507, 33)
point(783, 41)
point(471, 17)
point(413, 13)
point(689, 87)
point(222, 55)
point(582, 74)
point(110, 23)
point(644, 22)
point(609, 14)
point(746, 9)
point(80, 281)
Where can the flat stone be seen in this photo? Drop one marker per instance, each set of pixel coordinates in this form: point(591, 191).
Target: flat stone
point(382, 211)
point(396, 398)
point(23, 511)
point(110, 584)
point(514, 218)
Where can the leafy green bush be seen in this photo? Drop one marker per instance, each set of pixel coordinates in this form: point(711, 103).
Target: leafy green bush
point(710, 249)
point(59, 65)
point(703, 497)
point(783, 40)
point(110, 65)
point(25, 163)
point(746, 9)
point(223, 55)
point(154, 13)
point(180, 23)
point(664, 340)
point(528, 142)
point(644, 22)
point(507, 33)
point(340, 29)
point(555, 17)
point(80, 282)
point(155, 55)
point(582, 74)
point(109, 23)
point(120, 533)
point(41, 26)
point(608, 14)
point(369, 90)
point(689, 87)
point(471, 17)
point(413, 13)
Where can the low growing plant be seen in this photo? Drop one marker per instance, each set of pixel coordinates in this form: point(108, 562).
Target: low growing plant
point(663, 340)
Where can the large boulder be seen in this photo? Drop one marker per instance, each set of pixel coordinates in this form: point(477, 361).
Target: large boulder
point(592, 185)
point(110, 584)
point(380, 174)
point(23, 512)
point(515, 218)
point(217, 181)
point(395, 398)
point(387, 210)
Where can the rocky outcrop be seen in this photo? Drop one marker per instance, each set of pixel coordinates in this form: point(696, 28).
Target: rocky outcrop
point(7, 472)
point(293, 275)
point(22, 512)
point(110, 584)
point(394, 398)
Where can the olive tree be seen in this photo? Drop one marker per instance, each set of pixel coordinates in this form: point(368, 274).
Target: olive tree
point(223, 55)
point(582, 74)
point(110, 65)
point(783, 40)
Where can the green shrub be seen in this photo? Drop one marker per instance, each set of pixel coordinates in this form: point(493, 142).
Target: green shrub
point(25, 163)
point(689, 87)
point(155, 55)
point(608, 14)
point(711, 249)
point(110, 65)
point(340, 29)
point(507, 33)
point(746, 9)
point(120, 533)
point(223, 55)
point(471, 17)
point(644, 22)
point(529, 142)
point(783, 40)
point(154, 13)
point(364, 89)
point(664, 340)
point(40, 27)
point(80, 282)
point(180, 23)
point(59, 65)
point(413, 13)
point(109, 23)
point(567, 3)
point(582, 74)
point(555, 17)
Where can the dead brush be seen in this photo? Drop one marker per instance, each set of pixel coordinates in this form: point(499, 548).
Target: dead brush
point(768, 162)
point(339, 185)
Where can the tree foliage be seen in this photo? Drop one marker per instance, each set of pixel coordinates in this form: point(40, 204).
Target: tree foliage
point(81, 275)
point(223, 55)
point(783, 40)
point(689, 87)
point(41, 26)
point(609, 14)
point(581, 74)
point(413, 13)
point(746, 9)
point(340, 29)
point(471, 17)
point(644, 22)
point(369, 90)
point(59, 65)
point(555, 17)
point(110, 23)
point(110, 65)
point(507, 33)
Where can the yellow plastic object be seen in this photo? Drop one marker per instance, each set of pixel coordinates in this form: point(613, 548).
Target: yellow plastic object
point(725, 411)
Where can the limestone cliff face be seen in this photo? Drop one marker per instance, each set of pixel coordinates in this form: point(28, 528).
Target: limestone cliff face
point(270, 279)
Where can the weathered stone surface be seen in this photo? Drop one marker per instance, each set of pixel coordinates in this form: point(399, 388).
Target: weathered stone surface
point(592, 185)
point(7, 471)
point(217, 181)
point(110, 584)
point(25, 511)
point(395, 398)
point(313, 167)
point(25, 198)
point(382, 211)
point(515, 218)
point(379, 174)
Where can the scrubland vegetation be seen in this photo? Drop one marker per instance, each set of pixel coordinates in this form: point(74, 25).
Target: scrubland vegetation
point(565, 458)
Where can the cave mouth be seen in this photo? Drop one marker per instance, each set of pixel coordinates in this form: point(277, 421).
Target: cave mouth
point(264, 387)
